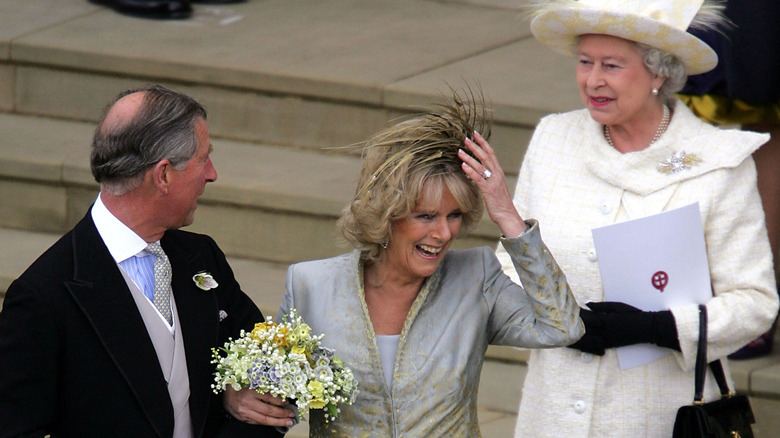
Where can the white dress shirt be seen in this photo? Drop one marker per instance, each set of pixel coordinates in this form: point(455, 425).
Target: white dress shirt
point(128, 250)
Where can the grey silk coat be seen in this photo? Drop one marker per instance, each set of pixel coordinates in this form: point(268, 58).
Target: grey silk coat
point(466, 305)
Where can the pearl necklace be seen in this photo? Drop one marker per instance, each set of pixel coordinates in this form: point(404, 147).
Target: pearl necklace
point(658, 132)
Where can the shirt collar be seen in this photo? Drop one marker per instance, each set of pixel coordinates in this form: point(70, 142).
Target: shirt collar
point(121, 241)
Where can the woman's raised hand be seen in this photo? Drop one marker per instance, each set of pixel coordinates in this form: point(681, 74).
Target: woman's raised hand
point(489, 177)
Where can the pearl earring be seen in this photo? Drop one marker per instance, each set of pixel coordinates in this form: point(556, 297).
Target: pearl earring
point(384, 245)
point(655, 91)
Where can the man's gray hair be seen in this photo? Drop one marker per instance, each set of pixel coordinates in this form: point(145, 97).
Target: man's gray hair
point(162, 128)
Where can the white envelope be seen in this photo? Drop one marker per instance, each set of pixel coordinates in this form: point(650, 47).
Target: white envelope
point(653, 263)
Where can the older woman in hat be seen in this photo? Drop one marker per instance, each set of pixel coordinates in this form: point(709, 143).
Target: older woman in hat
point(632, 152)
point(411, 317)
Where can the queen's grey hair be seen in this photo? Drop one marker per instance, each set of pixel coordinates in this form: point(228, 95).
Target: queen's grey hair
point(666, 65)
point(162, 128)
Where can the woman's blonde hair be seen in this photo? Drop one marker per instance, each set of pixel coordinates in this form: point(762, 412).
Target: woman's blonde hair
point(411, 158)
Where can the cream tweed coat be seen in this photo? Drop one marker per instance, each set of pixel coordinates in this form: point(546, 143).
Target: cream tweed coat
point(572, 181)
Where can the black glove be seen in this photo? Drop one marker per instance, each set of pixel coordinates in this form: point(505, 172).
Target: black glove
point(613, 324)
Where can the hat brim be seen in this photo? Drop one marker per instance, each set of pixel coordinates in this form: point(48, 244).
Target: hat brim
point(559, 29)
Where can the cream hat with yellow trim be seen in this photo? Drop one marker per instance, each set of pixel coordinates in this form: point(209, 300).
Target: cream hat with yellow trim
point(658, 23)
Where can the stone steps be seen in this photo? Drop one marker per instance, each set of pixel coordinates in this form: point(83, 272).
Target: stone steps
point(284, 91)
point(280, 110)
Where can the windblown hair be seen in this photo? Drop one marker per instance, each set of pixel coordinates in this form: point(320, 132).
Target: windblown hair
point(414, 157)
point(163, 128)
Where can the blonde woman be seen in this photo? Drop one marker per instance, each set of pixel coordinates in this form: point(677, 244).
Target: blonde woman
point(411, 317)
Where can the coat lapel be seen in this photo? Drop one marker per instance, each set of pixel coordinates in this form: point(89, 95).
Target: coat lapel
point(102, 294)
point(638, 172)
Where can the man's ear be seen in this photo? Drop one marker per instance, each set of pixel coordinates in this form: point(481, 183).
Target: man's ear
point(161, 175)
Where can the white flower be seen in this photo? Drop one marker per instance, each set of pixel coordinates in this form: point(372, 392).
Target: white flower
point(204, 281)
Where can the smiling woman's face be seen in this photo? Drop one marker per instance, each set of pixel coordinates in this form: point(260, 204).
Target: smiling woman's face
point(420, 241)
point(614, 83)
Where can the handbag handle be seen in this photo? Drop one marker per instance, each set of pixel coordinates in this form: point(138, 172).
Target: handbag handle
point(701, 363)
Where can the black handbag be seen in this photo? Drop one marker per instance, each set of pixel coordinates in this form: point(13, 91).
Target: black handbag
point(729, 417)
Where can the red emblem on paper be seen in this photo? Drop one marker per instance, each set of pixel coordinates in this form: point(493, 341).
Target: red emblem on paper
point(660, 280)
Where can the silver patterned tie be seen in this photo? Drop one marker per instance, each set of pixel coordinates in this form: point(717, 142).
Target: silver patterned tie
point(162, 280)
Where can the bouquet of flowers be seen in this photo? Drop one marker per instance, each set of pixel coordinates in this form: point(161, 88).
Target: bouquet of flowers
point(285, 360)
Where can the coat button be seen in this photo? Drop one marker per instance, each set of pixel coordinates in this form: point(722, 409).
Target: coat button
point(592, 255)
point(579, 406)
point(604, 208)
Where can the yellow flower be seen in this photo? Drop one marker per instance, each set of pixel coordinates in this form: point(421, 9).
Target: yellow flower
point(261, 327)
point(281, 338)
point(316, 389)
point(303, 331)
point(317, 404)
point(298, 349)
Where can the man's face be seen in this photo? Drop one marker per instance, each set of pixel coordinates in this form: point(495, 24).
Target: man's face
point(189, 183)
